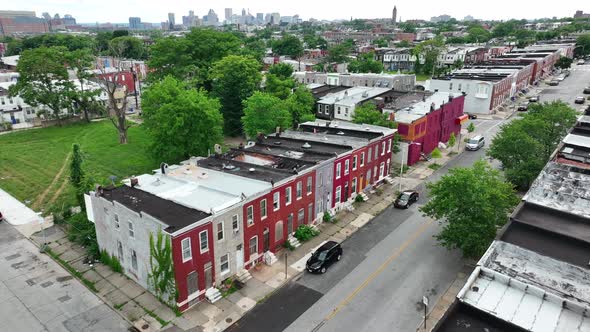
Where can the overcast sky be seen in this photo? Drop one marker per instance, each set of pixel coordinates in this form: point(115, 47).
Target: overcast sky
point(154, 11)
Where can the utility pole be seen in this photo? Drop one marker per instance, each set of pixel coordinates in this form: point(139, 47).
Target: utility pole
point(134, 85)
point(286, 255)
point(401, 169)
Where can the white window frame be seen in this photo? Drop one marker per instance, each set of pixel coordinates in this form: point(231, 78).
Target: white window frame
point(131, 228)
point(189, 255)
point(221, 270)
point(376, 156)
point(354, 162)
point(117, 223)
point(263, 212)
point(222, 231)
point(235, 223)
point(299, 190)
point(206, 249)
point(338, 195)
point(250, 213)
point(370, 155)
point(353, 186)
point(389, 145)
point(288, 195)
point(382, 148)
point(338, 170)
point(255, 237)
point(362, 158)
point(276, 200)
point(346, 166)
point(309, 185)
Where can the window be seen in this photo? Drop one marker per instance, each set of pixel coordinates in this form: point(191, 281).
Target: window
point(346, 166)
point(120, 251)
point(376, 152)
point(220, 231)
point(204, 239)
point(389, 146)
point(338, 194)
point(133, 260)
point(354, 160)
point(310, 214)
point(320, 176)
point(235, 223)
point(288, 195)
point(263, 209)
point(253, 248)
point(276, 198)
point(116, 221)
point(300, 216)
point(224, 264)
point(131, 231)
point(362, 159)
point(459, 87)
point(338, 170)
point(186, 249)
point(369, 155)
point(382, 148)
point(299, 189)
point(279, 231)
point(250, 213)
point(309, 183)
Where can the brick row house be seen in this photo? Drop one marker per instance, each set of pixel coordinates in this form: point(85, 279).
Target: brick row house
point(228, 212)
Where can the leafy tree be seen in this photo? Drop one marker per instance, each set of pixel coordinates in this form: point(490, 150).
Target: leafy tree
point(102, 41)
point(44, 80)
point(161, 275)
point(477, 34)
point(263, 113)
point(77, 173)
point(563, 62)
point(452, 140)
point(458, 64)
point(380, 42)
point(281, 70)
point(404, 43)
point(85, 99)
point(288, 45)
point(120, 33)
point(430, 50)
point(365, 63)
point(300, 105)
point(181, 121)
point(471, 127)
point(127, 48)
point(538, 133)
point(338, 53)
point(470, 203)
point(505, 29)
point(69, 42)
point(455, 40)
point(234, 79)
point(254, 48)
point(368, 114)
point(407, 27)
point(315, 41)
point(583, 45)
point(279, 87)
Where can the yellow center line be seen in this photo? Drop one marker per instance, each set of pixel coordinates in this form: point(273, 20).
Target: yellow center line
point(378, 271)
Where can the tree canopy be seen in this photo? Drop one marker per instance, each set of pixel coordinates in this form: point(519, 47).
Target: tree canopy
point(263, 113)
point(288, 45)
point(181, 121)
point(300, 104)
point(564, 62)
point(368, 114)
point(583, 44)
point(365, 63)
point(128, 48)
point(471, 204)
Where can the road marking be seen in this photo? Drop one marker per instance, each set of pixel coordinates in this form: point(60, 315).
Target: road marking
point(494, 126)
point(378, 271)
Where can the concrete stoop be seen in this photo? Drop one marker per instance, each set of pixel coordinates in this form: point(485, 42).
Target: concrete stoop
point(213, 295)
point(389, 179)
point(243, 276)
point(294, 242)
point(270, 258)
point(364, 196)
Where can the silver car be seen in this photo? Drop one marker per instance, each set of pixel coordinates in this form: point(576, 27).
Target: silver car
point(475, 143)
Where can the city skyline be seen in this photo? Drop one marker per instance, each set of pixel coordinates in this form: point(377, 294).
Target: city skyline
point(150, 11)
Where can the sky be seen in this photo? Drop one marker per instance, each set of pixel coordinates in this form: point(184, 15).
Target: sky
point(155, 11)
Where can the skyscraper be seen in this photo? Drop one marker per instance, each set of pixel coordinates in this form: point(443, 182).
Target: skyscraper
point(260, 18)
point(135, 23)
point(228, 14)
point(171, 21)
point(394, 16)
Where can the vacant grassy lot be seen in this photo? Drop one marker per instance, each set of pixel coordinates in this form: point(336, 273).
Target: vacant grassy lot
point(34, 164)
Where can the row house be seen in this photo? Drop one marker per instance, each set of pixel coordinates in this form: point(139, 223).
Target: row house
point(399, 82)
point(401, 59)
point(122, 77)
point(341, 105)
point(425, 120)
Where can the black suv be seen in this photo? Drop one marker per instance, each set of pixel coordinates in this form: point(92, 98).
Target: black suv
point(405, 199)
point(323, 257)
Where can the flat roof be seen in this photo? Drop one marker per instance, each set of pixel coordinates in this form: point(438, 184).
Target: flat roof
point(227, 163)
point(174, 215)
point(352, 127)
point(577, 140)
point(353, 95)
point(321, 137)
point(562, 187)
point(291, 147)
point(462, 317)
point(547, 243)
point(406, 99)
point(477, 76)
point(424, 106)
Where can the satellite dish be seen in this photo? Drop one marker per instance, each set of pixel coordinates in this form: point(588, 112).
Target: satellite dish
point(217, 148)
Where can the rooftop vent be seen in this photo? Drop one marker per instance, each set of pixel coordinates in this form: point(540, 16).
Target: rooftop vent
point(251, 170)
point(306, 146)
point(229, 166)
point(277, 143)
point(340, 133)
point(134, 182)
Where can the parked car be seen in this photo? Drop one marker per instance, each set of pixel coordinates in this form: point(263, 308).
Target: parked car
point(579, 100)
point(581, 62)
point(326, 255)
point(554, 83)
point(475, 143)
point(560, 78)
point(534, 99)
point(405, 199)
point(566, 73)
point(522, 107)
point(1, 217)
point(587, 90)
point(472, 116)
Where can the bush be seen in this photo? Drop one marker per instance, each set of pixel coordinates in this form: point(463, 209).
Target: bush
point(111, 261)
point(436, 153)
point(327, 217)
point(287, 244)
point(359, 199)
point(434, 166)
point(305, 233)
point(82, 232)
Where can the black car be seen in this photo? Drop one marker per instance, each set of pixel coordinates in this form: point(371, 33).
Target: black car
point(533, 99)
point(579, 100)
point(587, 90)
point(323, 257)
point(522, 107)
point(405, 199)
point(1, 217)
point(472, 116)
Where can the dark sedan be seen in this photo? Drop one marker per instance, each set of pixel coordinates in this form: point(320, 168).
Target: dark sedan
point(405, 199)
point(326, 255)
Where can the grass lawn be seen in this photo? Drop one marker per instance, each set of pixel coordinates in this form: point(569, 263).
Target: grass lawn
point(422, 77)
point(33, 164)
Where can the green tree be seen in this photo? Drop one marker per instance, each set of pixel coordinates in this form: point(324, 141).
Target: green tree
point(338, 53)
point(288, 45)
point(102, 41)
point(505, 29)
point(120, 33)
point(127, 48)
point(452, 140)
point(85, 97)
point(365, 63)
point(161, 275)
point(278, 87)
point(368, 114)
point(181, 121)
point(300, 105)
point(234, 79)
point(408, 27)
point(44, 80)
point(471, 127)
point(583, 45)
point(471, 204)
point(380, 42)
point(430, 50)
point(77, 173)
point(263, 113)
point(563, 62)
point(477, 34)
point(281, 70)
point(404, 43)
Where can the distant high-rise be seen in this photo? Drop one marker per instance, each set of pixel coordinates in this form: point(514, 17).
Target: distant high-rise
point(243, 12)
point(19, 22)
point(260, 18)
point(394, 16)
point(228, 14)
point(171, 21)
point(135, 23)
point(212, 18)
point(46, 16)
point(69, 20)
point(275, 18)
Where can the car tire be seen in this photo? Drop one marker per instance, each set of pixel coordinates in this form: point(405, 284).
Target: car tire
point(338, 257)
point(323, 270)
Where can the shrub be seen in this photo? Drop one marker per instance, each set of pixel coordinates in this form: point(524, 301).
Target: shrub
point(111, 261)
point(359, 199)
point(434, 166)
point(436, 153)
point(305, 233)
point(82, 232)
point(287, 244)
point(327, 217)
point(379, 191)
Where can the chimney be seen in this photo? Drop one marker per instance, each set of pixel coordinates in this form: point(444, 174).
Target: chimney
point(163, 168)
point(134, 182)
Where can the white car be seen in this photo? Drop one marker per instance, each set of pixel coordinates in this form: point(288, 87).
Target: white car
point(581, 62)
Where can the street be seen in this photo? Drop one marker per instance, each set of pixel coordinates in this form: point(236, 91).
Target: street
point(388, 265)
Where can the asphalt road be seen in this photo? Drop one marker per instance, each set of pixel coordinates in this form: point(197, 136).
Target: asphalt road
point(387, 266)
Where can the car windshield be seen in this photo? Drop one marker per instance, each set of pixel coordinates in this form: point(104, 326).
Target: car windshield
point(320, 255)
point(404, 197)
point(473, 141)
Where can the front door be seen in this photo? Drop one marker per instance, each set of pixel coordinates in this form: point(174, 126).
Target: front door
point(192, 285)
point(290, 224)
point(239, 257)
point(208, 275)
point(266, 241)
point(382, 170)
